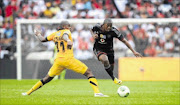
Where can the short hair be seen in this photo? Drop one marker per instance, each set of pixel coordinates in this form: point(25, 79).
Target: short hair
point(62, 24)
point(107, 21)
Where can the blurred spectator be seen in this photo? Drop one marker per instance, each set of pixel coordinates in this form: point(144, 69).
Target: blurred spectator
point(10, 9)
point(62, 14)
point(150, 51)
point(88, 5)
point(73, 12)
point(83, 51)
point(48, 13)
point(80, 5)
point(8, 32)
point(165, 7)
point(140, 39)
point(92, 9)
point(66, 5)
point(151, 32)
point(1, 18)
point(55, 8)
point(48, 31)
point(169, 46)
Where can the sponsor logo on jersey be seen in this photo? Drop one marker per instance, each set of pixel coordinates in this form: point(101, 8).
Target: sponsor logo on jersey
point(102, 40)
point(102, 36)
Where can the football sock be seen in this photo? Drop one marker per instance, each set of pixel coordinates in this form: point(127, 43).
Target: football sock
point(109, 70)
point(38, 85)
point(94, 84)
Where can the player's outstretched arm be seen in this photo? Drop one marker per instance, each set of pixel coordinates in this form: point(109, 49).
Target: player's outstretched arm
point(40, 37)
point(129, 46)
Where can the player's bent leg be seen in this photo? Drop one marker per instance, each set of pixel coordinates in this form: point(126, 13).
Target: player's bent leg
point(88, 73)
point(92, 80)
point(104, 59)
point(94, 84)
point(81, 68)
point(109, 69)
point(39, 84)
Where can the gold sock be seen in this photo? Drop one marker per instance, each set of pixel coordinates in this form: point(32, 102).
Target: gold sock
point(35, 87)
point(94, 84)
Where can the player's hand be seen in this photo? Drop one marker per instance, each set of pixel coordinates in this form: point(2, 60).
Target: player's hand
point(95, 36)
point(69, 44)
point(137, 54)
point(37, 32)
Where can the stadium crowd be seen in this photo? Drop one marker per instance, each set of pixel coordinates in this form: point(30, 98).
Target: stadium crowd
point(149, 39)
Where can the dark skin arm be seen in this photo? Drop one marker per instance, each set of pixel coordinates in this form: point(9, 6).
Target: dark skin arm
point(129, 46)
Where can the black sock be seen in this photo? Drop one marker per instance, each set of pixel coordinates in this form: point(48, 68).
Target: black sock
point(109, 70)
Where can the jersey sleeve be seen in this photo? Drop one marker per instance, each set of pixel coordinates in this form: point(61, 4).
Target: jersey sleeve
point(118, 34)
point(50, 37)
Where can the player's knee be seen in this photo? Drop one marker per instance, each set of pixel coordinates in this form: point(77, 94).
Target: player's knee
point(46, 79)
point(104, 59)
point(88, 73)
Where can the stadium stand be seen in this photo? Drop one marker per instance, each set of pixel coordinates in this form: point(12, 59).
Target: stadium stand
point(158, 39)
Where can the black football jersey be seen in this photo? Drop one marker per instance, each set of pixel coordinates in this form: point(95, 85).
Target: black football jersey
point(105, 39)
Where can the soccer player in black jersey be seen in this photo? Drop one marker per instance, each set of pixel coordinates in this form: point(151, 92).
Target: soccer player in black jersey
point(103, 46)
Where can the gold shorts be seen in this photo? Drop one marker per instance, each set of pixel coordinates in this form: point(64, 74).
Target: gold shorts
point(67, 63)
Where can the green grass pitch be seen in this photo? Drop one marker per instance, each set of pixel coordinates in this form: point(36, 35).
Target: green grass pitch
point(72, 92)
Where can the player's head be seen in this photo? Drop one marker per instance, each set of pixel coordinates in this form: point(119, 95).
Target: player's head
point(107, 24)
point(64, 25)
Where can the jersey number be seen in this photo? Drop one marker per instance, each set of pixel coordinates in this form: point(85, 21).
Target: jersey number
point(61, 45)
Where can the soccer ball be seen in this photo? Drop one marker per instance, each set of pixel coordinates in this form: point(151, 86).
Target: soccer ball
point(123, 91)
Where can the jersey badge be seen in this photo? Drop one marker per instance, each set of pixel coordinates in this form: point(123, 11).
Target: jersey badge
point(102, 36)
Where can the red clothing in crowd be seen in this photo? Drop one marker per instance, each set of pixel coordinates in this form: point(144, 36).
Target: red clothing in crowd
point(9, 10)
point(150, 51)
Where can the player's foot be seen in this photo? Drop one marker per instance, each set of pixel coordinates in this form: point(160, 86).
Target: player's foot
point(117, 81)
point(24, 94)
point(100, 95)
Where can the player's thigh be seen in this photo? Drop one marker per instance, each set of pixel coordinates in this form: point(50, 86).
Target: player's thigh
point(56, 69)
point(98, 53)
point(77, 66)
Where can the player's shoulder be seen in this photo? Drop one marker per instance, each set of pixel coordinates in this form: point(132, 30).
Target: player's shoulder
point(65, 31)
point(98, 25)
point(114, 29)
point(55, 33)
point(116, 32)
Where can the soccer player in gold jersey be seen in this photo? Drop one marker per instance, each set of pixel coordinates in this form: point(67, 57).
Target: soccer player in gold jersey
point(64, 59)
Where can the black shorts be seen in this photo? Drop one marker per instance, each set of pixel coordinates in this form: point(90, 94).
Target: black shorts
point(109, 53)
